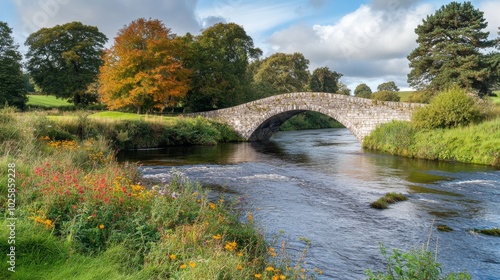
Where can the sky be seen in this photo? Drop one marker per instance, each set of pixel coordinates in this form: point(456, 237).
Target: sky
point(367, 41)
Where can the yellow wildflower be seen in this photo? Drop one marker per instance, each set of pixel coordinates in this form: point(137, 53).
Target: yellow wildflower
point(217, 237)
point(183, 266)
point(240, 267)
point(258, 276)
point(172, 257)
point(230, 246)
point(269, 268)
point(101, 226)
point(192, 264)
point(212, 206)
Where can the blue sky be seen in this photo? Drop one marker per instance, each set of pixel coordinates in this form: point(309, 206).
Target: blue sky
point(365, 40)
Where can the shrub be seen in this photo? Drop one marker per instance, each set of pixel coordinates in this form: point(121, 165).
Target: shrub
point(451, 108)
point(415, 264)
point(386, 96)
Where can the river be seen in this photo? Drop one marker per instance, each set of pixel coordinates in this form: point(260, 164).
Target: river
point(318, 184)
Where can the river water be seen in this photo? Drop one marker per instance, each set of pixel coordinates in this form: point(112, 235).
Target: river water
point(318, 184)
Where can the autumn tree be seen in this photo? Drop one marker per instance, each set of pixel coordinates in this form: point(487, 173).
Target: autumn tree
point(451, 45)
point(64, 60)
point(142, 69)
point(12, 90)
point(324, 80)
point(219, 58)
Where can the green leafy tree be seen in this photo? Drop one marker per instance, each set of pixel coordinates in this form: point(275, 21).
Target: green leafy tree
point(64, 60)
point(388, 86)
point(284, 73)
point(12, 90)
point(343, 89)
point(219, 59)
point(324, 80)
point(363, 90)
point(450, 50)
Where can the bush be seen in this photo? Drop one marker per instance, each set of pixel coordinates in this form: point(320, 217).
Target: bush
point(386, 96)
point(415, 264)
point(451, 108)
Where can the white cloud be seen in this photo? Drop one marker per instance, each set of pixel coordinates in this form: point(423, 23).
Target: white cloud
point(109, 16)
point(490, 9)
point(365, 43)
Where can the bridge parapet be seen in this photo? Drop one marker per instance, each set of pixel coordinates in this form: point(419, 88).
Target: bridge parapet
point(258, 120)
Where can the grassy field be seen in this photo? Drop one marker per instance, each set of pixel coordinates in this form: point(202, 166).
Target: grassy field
point(48, 101)
point(405, 95)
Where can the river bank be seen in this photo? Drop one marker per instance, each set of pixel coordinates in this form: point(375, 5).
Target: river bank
point(476, 144)
point(77, 213)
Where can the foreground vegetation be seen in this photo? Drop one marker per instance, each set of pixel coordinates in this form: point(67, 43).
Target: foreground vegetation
point(81, 215)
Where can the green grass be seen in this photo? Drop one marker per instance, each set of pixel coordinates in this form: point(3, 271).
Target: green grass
point(478, 144)
point(48, 101)
point(404, 95)
point(496, 99)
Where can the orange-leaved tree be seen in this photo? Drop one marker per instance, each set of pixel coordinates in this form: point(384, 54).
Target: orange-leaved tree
point(143, 68)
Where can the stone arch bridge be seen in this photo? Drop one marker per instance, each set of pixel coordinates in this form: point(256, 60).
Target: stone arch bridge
point(258, 120)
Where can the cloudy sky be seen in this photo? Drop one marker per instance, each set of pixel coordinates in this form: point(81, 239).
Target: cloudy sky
point(365, 40)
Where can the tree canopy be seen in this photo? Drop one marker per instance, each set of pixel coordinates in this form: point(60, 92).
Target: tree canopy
point(64, 60)
point(12, 89)
point(324, 80)
point(143, 68)
point(219, 59)
point(450, 50)
point(388, 86)
point(363, 90)
point(284, 72)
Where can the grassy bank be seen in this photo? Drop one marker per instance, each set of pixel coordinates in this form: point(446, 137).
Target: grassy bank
point(81, 215)
point(478, 144)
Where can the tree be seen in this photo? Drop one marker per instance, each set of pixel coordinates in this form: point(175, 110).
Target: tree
point(363, 90)
point(450, 45)
point(143, 68)
point(12, 90)
point(388, 86)
point(324, 80)
point(219, 58)
point(284, 72)
point(64, 60)
point(343, 89)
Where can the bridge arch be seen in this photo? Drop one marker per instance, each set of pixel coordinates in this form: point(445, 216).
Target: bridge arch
point(258, 120)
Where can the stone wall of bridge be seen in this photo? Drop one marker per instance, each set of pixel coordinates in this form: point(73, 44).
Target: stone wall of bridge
point(258, 120)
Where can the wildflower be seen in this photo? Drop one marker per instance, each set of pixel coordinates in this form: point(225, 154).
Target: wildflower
point(101, 226)
point(192, 264)
point(258, 276)
point(172, 257)
point(250, 217)
point(183, 266)
point(240, 254)
point(230, 246)
point(269, 268)
point(240, 267)
point(282, 277)
point(217, 237)
point(212, 206)
point(272, 252)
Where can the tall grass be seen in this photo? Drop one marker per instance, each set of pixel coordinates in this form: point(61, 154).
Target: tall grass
point(81, 215)
point(479, 144)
